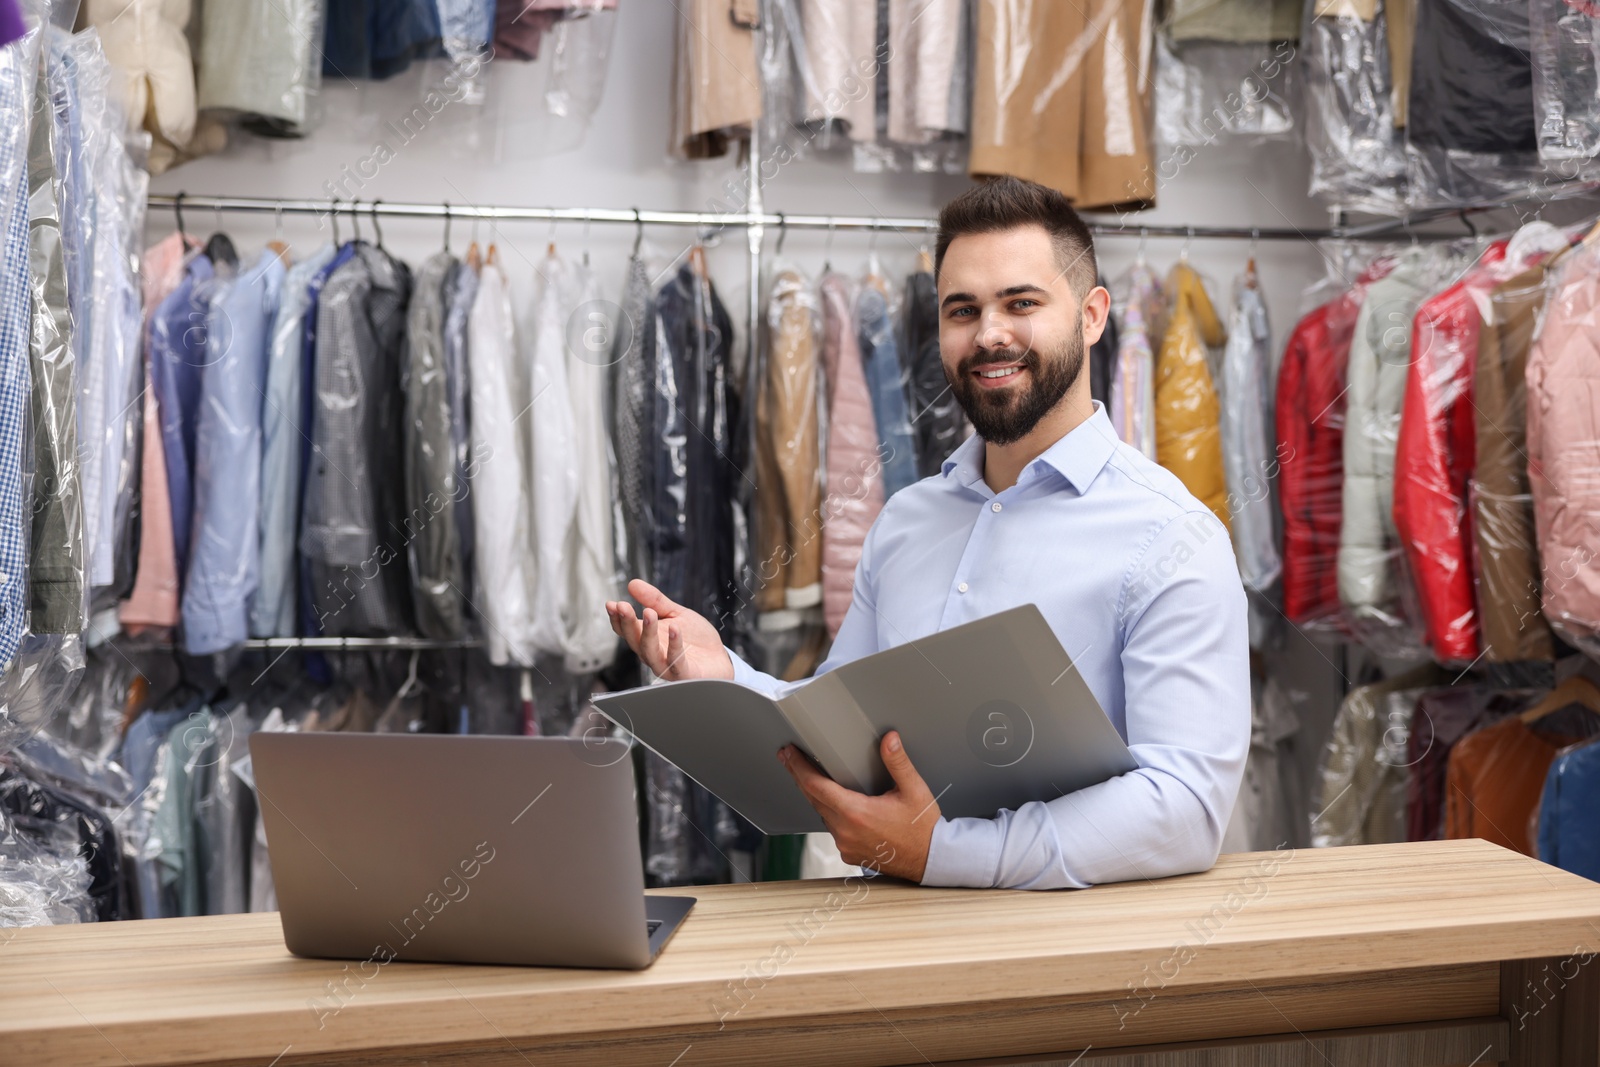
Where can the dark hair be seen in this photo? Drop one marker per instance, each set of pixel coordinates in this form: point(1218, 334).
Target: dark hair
point(1005, 203)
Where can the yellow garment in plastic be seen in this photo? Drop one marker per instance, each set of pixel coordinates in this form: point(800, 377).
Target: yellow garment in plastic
point(1188, 433)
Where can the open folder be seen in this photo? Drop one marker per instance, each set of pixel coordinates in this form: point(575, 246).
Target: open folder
point(992, 713)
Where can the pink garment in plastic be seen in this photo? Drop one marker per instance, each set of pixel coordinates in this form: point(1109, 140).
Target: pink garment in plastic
point(154, 599)
point(855, 470)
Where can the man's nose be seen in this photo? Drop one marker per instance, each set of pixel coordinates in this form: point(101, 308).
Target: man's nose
point(996, 331)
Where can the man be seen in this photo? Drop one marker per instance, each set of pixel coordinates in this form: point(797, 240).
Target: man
point(1043, 503)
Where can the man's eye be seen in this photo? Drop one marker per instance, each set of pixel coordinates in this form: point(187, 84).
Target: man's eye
point(1023, 303)
point(959, 312)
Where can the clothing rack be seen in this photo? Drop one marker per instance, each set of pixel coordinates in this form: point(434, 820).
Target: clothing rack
point(755, 219)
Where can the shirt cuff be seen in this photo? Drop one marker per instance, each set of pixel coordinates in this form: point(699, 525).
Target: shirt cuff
point(745, 674)
point(964, 852)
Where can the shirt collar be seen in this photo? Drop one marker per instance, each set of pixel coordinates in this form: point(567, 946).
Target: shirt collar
point(1078, 456)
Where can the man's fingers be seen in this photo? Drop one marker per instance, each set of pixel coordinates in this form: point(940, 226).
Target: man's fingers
point(652, 643)
point(905, 776)
point(822, 791)
point(674, 647)
point(625, 623)
point(649, 596)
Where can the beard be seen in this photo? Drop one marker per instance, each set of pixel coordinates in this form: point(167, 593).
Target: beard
point(1003, 416)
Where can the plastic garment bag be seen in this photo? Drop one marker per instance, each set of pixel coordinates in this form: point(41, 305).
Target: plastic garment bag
point(1140, 310)
point(434, 542)
point(44, 879)
point(1311, 410)
point(1250, 462)
point(56, 578)
point(788, 520)
point(263, 61)
point(1506, 555)
point(1059, 97)
point(1361, 795)
point(1188, 432)
point(1371, 581)
point(1565, 39)
point(591, 577)
point(1470, 129)
point(631, 407)
point(1353, 131)
point(854, 471)
point(224, 561)
point(1563, 438)
point(18, 73)
point(936, 416)
point(875, 333)
point(1207, 91)
point(1434, 457)
point(358, 568)
point(717, 87)
point(553, 456)
point(503, 549)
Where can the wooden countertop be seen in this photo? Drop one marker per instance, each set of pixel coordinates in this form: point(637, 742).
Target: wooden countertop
point(196, 990)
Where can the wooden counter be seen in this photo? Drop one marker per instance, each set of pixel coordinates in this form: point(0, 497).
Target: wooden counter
point(1427, 955)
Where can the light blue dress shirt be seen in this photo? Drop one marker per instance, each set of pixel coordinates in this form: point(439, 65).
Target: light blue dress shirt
point(224, 551)
point(1137, 579)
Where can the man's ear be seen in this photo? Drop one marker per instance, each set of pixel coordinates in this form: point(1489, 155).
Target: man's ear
point(1096, 312)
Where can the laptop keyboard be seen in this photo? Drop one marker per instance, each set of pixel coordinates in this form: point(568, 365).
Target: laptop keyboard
point(651, 926)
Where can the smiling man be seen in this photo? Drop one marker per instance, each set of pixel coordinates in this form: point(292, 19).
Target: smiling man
point(1041, 504)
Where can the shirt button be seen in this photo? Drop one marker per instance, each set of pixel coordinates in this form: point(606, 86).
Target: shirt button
point(995, 506)
point(962, 588)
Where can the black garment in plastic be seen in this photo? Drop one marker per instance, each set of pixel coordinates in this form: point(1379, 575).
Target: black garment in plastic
point(1471, 77)
point(631, 403)
point(937, 420)
point(49, 815)
point(697, 450)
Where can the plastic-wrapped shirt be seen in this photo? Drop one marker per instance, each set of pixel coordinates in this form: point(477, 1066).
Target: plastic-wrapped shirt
point(503, 552)
point(1247, 449)
point(224, 564)
point(554, 459)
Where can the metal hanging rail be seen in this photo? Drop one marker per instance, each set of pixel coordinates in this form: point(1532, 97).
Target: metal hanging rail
point(755, 219)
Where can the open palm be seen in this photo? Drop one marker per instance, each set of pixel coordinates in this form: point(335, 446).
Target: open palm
point(674, 642)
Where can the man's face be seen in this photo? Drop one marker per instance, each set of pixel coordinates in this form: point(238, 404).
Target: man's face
point(1012, 333)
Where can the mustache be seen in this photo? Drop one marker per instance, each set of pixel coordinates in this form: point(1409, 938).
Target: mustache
point(1026, 356)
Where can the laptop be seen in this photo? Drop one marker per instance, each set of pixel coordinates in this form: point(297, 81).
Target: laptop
point(459, 849)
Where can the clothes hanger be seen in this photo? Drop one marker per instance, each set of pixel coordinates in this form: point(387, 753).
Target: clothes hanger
point(277, 243)
point(1575, 690)
point(492, 258)
point(1183, 253)
point(638, 232)
point(875, 276)
point(827, 249)
point(587, 220)
point(1144, 238)
point(697, 261)
point(355, 219)
point(783, 232)
point(219, 248)
point(377, 233)
point(333, 216)
point(1250, 277)
point(447, 227)
point(474, 256)
point(550, 247)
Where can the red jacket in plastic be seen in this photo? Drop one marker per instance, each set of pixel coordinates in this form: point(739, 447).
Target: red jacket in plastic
point(1435, 455)
point(1310, 417)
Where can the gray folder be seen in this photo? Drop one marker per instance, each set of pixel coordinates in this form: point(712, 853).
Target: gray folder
point(992, 713)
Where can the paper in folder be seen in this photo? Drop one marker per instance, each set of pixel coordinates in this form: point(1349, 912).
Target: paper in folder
point(992, 713)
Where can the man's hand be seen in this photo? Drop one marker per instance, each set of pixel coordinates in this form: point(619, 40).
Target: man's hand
point(674, 642)
point(888, 833)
